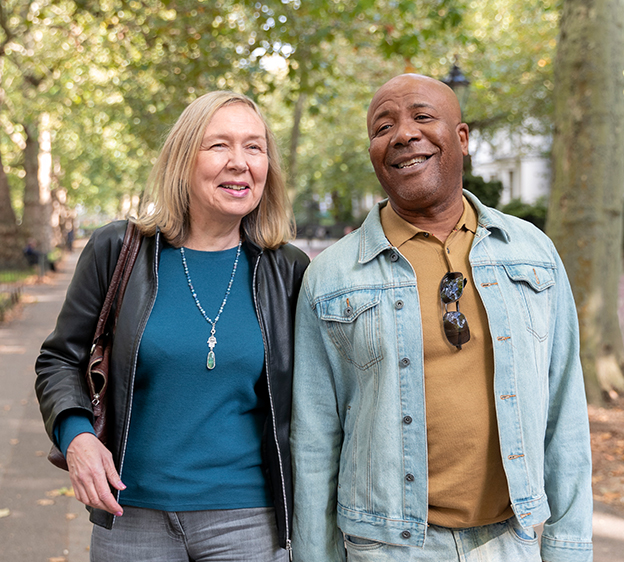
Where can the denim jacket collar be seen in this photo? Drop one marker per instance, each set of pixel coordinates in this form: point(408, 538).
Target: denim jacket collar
point(373, 240)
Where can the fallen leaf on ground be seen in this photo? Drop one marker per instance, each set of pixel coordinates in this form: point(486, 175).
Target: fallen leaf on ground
point(14, 441)
point(69, 492)
point(5, 512)
point(40, 453)
point(70, 516)
point(57, 559)
point(45, 502)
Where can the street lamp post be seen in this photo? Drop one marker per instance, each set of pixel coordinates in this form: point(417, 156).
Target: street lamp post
point(459, 84)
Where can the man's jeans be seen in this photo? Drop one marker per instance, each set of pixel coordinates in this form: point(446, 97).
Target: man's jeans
point(499, 542)
point(232, 535)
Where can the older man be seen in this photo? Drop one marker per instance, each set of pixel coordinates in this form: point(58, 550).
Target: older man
point(439, 411)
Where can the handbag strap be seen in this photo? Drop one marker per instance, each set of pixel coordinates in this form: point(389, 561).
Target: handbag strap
point(125, 262)
point(133, 252)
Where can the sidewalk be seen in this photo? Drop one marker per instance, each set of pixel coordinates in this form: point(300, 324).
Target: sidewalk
point(38, 523)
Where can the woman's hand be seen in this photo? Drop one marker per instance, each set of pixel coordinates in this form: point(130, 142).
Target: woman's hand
point(91, 470)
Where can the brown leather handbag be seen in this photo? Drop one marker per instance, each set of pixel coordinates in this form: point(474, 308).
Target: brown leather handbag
point(97, 369)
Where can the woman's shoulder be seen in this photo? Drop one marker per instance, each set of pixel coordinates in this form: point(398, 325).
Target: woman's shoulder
point(292, 253)
point(287, 258)
point(111, 232)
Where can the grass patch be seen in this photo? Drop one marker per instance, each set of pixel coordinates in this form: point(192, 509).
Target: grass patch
point(14, 275)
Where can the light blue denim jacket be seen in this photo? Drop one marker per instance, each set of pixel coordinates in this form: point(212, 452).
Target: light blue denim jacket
point(358, 426)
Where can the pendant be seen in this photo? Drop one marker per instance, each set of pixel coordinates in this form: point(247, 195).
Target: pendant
point(211, 361)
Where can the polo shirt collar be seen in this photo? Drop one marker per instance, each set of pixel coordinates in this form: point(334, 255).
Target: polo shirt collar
point(398, 230)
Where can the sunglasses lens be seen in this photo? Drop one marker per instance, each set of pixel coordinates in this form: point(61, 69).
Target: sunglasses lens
point(456, 328)
point(452, 287)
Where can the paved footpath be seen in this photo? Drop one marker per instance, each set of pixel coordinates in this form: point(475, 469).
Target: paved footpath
point(38, 521)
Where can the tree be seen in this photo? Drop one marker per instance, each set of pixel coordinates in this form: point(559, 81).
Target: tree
point(585, 214)
point(315, 38)
point(10, 251)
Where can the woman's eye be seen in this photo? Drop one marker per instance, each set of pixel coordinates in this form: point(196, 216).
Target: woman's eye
point(256, 148)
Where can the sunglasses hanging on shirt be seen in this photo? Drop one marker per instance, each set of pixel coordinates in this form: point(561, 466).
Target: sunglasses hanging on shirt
point(454, 322)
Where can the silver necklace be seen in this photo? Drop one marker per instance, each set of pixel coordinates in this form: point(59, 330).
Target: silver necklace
point(212, 340)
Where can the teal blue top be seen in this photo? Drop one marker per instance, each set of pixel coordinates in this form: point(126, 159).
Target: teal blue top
point(195, 434)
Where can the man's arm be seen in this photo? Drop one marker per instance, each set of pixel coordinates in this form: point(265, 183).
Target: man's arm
point(316, 440)
point(567, 471)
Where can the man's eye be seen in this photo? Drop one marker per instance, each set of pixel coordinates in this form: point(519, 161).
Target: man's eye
point(383, 128)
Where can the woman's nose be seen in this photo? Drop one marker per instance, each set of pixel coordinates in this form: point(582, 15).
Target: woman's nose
point(238, 161)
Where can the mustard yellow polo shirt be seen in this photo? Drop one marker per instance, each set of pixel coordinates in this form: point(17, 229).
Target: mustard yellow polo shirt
point(467, 483)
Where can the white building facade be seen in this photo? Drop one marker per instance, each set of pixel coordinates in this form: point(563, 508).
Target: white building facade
point(520, 161)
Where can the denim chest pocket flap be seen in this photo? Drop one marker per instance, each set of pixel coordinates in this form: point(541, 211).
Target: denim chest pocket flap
point(353, 324)
point(537, 277)
point(531, 281)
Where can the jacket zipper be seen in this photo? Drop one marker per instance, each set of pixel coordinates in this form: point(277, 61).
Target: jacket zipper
point(266, 360)
point(134, 364)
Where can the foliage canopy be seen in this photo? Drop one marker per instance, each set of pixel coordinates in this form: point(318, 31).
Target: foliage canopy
point(111, 77)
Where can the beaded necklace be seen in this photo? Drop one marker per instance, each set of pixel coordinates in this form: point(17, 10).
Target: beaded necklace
point(212, 340)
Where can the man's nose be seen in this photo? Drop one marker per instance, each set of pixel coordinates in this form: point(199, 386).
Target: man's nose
point(406, 131)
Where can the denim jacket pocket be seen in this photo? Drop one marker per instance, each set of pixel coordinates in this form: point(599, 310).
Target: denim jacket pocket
point(352, 322)
point(359, 543)
point(531, 281)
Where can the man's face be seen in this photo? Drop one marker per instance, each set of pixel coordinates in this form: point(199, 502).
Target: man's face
point(417, 142)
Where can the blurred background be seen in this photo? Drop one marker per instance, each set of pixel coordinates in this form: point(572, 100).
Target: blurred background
point(89, 89)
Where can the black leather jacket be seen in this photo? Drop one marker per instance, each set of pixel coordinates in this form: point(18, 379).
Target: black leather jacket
point(60, 385)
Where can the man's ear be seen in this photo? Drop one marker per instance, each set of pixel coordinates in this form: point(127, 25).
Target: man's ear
point(462, 133)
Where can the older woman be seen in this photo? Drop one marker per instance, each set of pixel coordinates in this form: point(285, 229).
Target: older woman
point(200, 378)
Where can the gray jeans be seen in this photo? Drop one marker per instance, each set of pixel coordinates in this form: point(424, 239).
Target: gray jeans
point(229, 535)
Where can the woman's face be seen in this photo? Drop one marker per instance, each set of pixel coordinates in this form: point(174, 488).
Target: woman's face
point(231, 167)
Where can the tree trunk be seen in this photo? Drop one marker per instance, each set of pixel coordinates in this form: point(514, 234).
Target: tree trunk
point(7, 215)
point(36, 218)
point(294, 142)
point(585, 215)
point(11, 247)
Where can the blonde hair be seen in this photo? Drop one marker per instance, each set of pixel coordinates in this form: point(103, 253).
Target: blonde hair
point(166, 203)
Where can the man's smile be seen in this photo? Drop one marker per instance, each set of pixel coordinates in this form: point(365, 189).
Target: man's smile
point(416, 160)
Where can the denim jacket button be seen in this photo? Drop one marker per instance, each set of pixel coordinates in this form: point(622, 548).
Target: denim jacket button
point(398, 305)
point(405, 362)
point(409, 478)
point(406, 534)
point(394, 256)
point(407, 419)
point(348, 311)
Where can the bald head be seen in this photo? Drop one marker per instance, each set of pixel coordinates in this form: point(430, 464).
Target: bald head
point(407, 84)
